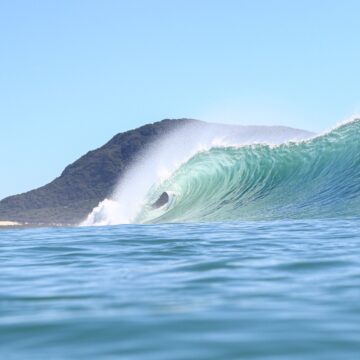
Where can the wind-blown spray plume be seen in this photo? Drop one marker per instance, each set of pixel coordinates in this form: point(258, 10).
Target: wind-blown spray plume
point(160, 163)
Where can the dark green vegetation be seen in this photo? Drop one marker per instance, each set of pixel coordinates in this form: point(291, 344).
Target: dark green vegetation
point(90, 179)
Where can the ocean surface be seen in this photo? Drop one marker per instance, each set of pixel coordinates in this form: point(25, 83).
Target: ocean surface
point(254, 255)
point(271, 289)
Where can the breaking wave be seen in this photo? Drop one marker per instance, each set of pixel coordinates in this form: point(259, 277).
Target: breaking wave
point(315, 178)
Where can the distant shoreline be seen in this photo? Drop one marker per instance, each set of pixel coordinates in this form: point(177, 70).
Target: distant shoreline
point(18, 225)
point(10, 223)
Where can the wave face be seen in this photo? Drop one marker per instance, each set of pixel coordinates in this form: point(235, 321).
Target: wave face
point(316, 178)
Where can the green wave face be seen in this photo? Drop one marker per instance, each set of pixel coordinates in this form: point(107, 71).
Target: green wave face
point(317, 178)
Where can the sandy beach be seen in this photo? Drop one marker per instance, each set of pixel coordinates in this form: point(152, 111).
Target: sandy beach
point(9, 223)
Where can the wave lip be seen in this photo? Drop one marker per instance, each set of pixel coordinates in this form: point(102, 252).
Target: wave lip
point(315, 178)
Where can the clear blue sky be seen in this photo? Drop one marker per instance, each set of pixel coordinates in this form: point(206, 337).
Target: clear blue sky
point(73, 73)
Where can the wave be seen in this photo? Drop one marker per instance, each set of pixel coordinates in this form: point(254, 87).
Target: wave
point(315, 178)
point(308, 179)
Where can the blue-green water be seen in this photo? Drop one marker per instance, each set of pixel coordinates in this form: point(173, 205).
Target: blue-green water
point(316, 178)
point(245, 290)
point(256, 256)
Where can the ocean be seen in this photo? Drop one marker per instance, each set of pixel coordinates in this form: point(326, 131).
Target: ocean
point(274, 289)
point(253, 254)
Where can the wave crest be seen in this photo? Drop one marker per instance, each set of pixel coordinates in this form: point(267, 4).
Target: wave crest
point(314, 178)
